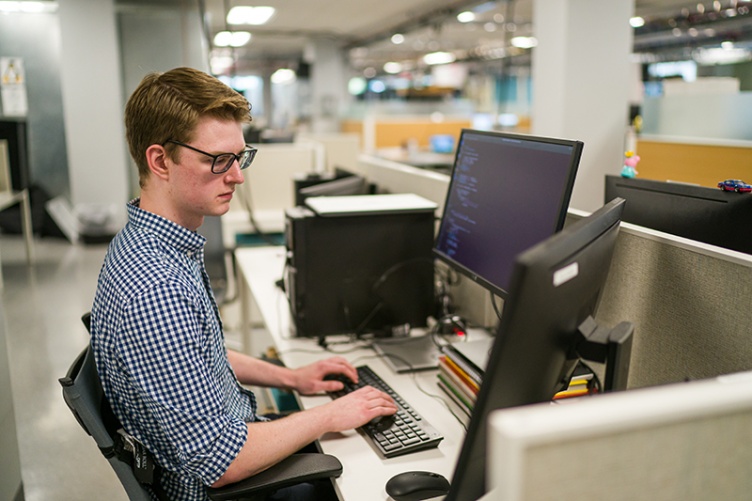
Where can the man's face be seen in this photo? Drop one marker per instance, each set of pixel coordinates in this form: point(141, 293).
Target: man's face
point(194, 190)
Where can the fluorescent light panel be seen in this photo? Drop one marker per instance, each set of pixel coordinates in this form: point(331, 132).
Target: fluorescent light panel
point(28, 7)
point(232, 38)
point(250, 15)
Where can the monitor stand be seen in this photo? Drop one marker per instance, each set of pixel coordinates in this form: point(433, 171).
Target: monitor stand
point(610, 346)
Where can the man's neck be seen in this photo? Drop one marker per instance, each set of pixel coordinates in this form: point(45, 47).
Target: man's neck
point(157, 205)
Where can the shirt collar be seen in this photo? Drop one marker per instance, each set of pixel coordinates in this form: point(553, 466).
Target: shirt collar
point(168, 231)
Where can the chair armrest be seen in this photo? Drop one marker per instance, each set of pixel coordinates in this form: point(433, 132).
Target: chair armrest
point(293, 470)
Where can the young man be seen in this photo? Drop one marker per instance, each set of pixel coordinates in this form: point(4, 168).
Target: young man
point(156, 331)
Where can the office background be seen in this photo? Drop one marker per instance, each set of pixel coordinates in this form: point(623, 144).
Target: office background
point(83, 60)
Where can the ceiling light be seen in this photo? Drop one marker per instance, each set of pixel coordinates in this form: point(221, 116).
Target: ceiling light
point(489, 27)
point(283, 76)
point(466, 17)
point(524, 42)
point(356, 86)
point(250, 15)
point(376, 86)
point(439, 58)
point(27, 7)
point(398, 38)
point(637, 22)
point(392, 67)
point(232, 38)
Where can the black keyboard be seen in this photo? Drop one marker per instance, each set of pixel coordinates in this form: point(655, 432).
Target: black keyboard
point(404, 432)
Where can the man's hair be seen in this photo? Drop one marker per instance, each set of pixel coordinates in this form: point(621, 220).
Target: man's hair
point(169, 105)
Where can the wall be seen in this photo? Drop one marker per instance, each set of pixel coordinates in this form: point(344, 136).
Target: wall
point(175, 30)
point(36, 39)
point(709, 116)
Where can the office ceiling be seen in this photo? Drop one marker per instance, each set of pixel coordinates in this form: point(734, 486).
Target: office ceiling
point(363, 28)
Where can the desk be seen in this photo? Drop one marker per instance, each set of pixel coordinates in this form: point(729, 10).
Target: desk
point(11, 198)
point(365, 472)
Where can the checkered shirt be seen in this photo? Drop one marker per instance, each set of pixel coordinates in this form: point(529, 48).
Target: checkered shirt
point(159, 348)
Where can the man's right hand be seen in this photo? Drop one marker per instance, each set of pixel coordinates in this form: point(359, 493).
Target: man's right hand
point(357, 408)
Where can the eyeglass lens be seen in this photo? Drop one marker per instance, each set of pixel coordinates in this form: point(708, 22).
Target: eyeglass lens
point(222, 163)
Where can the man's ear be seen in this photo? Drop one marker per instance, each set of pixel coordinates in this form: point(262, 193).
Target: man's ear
point(156, 157)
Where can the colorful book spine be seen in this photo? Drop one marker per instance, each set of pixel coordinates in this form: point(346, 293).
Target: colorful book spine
point(453, 380)
point(466, 366)
point(455, 395)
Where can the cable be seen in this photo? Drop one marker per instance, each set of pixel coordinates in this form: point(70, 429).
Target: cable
point(378, 283)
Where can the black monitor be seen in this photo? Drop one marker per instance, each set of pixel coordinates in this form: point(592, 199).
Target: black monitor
point(349, 185)
point(704, 214)
point(507, 192)
point(553, 296)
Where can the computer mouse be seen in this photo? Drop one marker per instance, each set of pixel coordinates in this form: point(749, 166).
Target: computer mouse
point(416, 485)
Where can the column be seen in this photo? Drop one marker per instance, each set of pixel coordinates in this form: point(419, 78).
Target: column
point(92, 89)
point(581, 81)
point(328, 84)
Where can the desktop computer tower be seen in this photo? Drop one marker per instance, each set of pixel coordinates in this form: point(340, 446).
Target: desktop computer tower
point(369, 272)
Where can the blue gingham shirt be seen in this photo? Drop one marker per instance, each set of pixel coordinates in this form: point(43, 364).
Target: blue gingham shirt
point(159, 347)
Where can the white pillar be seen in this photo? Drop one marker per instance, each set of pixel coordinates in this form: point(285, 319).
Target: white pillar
point(581, 81)
point(328, 84)
point(92, 105)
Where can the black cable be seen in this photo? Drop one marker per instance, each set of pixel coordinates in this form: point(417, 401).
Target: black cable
point(381, 280)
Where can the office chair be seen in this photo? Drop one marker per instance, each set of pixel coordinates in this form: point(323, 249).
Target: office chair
point(83, 393)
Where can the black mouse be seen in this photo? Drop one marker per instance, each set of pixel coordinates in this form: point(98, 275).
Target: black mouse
point(416, 485)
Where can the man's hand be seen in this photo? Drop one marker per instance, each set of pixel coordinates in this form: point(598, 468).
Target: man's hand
point(309, 379)
point(356, 409)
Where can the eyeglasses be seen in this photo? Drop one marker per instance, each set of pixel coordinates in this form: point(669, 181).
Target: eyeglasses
point(221, 163)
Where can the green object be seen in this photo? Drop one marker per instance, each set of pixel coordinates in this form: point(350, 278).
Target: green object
point(255, 239)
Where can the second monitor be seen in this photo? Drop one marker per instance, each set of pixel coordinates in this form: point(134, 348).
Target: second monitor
point(507, 193)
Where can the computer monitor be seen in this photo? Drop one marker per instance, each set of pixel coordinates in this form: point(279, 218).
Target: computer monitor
point(553, 297)
point(507, 193)
point(349, 185)
point(704, 214)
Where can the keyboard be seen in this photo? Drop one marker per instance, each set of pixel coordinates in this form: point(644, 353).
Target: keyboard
point(404, 432)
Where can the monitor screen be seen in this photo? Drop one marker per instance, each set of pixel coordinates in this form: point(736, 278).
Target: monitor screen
point(704, 214)
point(507, 192)
point(350, 185)
point(554, 289)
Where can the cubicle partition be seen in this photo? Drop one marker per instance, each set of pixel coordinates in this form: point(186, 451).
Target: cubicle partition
point(689, 301)
point(694, 160)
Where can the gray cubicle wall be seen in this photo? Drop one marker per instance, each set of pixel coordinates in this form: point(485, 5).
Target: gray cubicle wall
point(691, 303)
